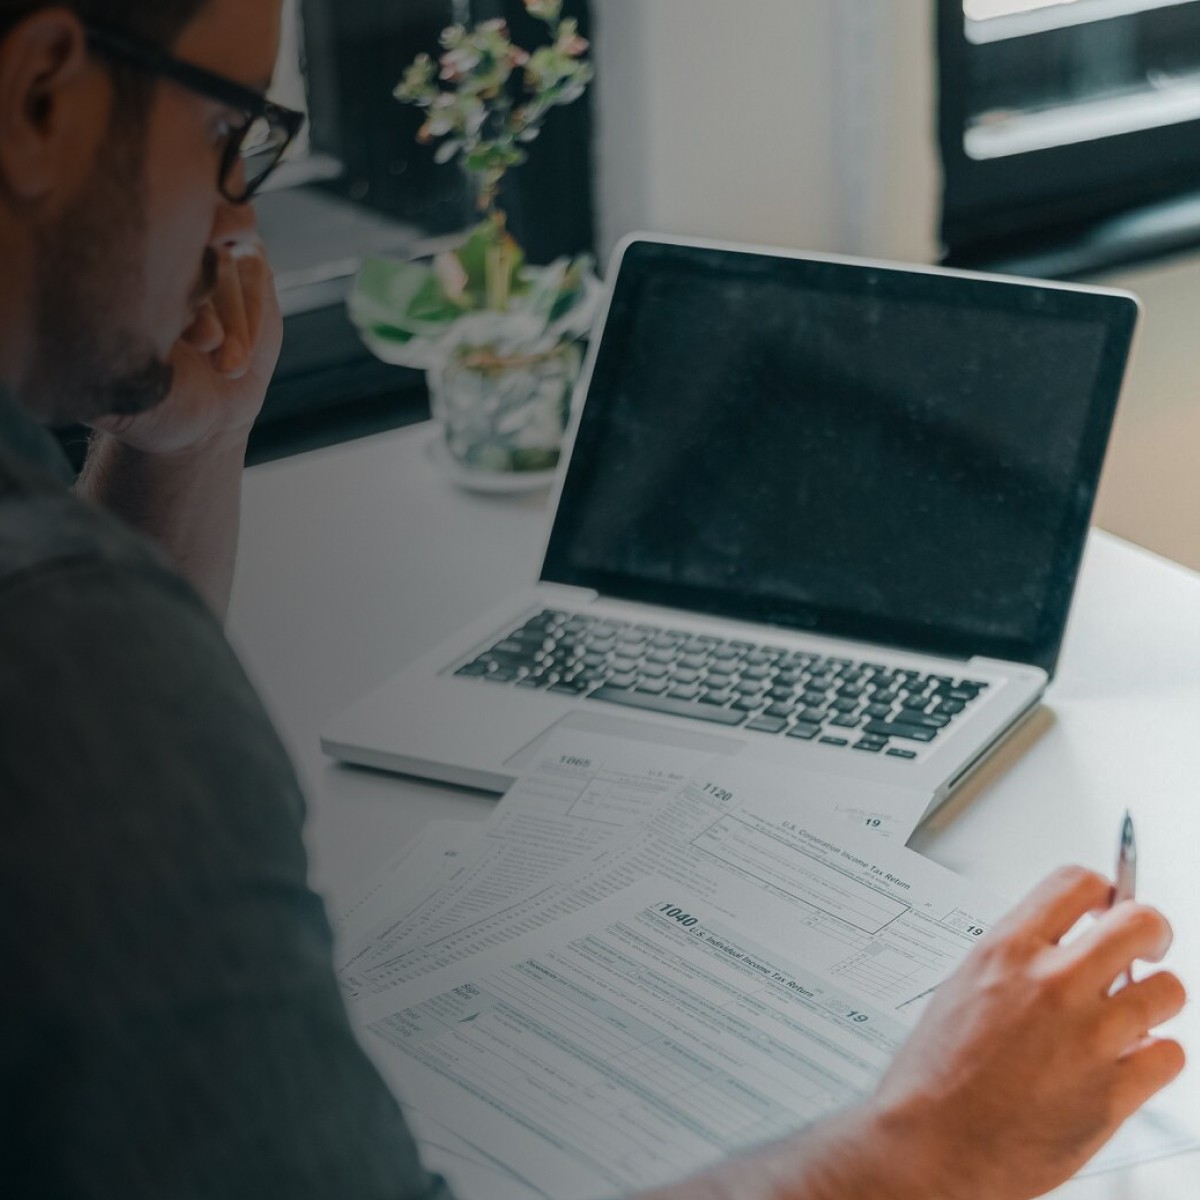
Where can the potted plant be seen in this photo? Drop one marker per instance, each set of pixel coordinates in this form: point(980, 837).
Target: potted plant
point(499, 339)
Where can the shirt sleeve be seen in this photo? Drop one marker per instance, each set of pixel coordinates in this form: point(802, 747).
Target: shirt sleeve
point(170, 1025)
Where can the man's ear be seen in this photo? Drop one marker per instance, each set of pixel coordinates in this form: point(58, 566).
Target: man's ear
point(51, 107)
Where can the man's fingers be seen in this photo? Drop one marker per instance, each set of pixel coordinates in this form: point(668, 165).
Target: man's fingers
point(206, 333)
point(233, 358)
point(1126, 932)
point(253, 275)
point(1147, 1069)
point(1131, 1013)
point(1052, 909)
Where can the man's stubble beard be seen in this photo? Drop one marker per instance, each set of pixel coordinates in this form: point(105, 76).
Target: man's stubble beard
point(90, 280)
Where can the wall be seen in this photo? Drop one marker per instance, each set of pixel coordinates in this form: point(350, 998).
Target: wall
point(798, 122)
point(812, 123)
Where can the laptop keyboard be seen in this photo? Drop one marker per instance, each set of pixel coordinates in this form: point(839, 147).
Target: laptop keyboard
point(865, 706)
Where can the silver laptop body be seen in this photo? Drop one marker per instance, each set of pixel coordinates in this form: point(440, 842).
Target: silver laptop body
point(821, 511)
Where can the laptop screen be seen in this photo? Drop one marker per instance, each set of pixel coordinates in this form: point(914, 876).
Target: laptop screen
point(898, 456)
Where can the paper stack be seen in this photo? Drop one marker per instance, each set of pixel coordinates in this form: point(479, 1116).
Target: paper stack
point(646, 960)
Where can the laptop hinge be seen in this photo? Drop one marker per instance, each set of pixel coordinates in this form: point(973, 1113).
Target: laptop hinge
point(562, 593)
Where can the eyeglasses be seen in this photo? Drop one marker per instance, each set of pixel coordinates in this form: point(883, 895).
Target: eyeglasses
point(255, 147)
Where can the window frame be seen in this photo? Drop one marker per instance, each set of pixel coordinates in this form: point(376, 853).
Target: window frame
point(1024, 204)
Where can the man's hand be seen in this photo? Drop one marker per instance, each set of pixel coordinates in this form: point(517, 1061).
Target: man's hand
point(223, 365)
point(175, 472)
point(1022, 1067)
point(1027, 1061)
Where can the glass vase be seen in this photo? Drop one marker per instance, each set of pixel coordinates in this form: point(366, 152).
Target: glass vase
point(505, 414)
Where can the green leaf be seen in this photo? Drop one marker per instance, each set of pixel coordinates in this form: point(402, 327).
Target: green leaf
point(473, 255)
point(389, 333)
point(431, 304)
point(399, 295)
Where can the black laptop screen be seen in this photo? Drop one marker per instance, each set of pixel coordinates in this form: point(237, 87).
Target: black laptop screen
point(897, 456)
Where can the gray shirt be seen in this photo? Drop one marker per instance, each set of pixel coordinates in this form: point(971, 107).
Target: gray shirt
point(170, 1025)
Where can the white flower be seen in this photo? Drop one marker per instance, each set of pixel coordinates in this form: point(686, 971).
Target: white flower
point(451, 275)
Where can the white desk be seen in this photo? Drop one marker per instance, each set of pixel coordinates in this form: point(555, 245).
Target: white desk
point(356, 558)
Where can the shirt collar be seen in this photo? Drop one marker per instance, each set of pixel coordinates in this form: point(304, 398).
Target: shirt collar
point(22, 436)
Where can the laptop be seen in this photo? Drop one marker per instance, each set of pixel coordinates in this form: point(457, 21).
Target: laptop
point(822, 511)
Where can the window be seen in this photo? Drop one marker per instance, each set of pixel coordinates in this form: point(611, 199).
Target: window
point(1070, 131)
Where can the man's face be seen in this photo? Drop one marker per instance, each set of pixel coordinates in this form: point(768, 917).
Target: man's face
point(123, 268)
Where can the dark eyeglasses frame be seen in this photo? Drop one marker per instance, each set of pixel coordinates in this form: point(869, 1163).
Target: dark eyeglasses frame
point(211, 86)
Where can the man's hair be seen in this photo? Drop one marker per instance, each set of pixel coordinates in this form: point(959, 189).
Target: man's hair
point(157, 21)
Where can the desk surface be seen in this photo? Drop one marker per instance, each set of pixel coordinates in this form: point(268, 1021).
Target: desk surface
point(357, 558)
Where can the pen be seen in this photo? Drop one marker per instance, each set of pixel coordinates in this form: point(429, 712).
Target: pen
point(1126, 871)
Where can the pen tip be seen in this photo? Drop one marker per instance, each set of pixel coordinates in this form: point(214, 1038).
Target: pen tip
point(1127, 830)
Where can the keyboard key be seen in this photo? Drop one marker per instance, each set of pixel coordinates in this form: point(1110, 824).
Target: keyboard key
point(716, 696)
point(652, 686)
point(668, 705)
point(779, 710)
point(847, 722)
point(816, 715)
point(767, 724)
point(951, 707)
point(888, 729)
point(844, 705)
point(805, 730)
point(897, 753)
point(835, 741)
point(747, 704)
point(654, 670)
point(574, 688)
point(878, 710)
point(623, 678)
point(870, 747)
point(924, 720)
point(684, 675)
point(473, 668)
point(747, 687)
point(687, 691)
point(501, 675)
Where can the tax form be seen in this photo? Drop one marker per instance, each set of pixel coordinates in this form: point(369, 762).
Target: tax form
point(582, 791)
point(658, 1031)
point(725, 820)
point(434, 853)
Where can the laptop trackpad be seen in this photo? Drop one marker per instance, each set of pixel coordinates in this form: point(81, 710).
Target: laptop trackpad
point(637, 731)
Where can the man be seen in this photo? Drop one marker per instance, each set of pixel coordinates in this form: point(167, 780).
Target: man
point(170, 1024)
